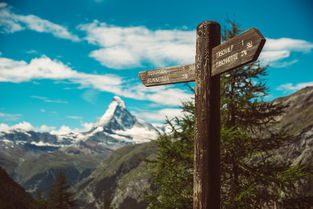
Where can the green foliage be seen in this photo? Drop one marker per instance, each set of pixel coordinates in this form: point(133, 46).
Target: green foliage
point(252, 173)
point(59, 196)
point(173, 173)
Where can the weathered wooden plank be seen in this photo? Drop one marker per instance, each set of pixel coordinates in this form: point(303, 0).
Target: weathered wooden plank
point(212, 59)
point(238, 51)
point(206, 192)
point(168, 75)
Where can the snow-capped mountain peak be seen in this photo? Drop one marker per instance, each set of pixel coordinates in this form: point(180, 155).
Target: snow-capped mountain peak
point(118, 123)
point(119, 101)
point(116, 117)
point(115, 128)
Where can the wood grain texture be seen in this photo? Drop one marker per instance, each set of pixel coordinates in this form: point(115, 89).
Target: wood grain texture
point(212, 59)
point(206, 192)
point(169, 75)
point(238, 51)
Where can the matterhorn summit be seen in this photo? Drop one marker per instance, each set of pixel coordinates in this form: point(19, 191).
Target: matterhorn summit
point(116, 117)
point(118, 127)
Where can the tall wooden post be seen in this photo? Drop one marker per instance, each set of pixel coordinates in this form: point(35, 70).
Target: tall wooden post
point(207, 132)
point(212, 59)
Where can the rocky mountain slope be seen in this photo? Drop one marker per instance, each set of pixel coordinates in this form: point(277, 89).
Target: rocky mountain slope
point(122, 180)
point(33, 159)
point(298, 121)
point(12, 195)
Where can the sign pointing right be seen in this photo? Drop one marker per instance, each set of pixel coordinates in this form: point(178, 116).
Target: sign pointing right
point(212, 59)
point(238, 51)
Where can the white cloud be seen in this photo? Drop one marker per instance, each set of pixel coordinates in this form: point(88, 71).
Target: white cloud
point(277, 50)
point(45, 99)
point(289, 44)
point(9, 117)
point(4, 127)
point(127, 47)
point(86, 126)
point(135, 46)
point(11, 22)
point(63, 130)
point(45, 128)
point(160, 115)
point(74, 117)
point(45, 68)
point(24, 126)
point(289, 87)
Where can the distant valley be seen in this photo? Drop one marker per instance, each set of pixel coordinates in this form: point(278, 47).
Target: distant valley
point(33, 158)
point(105, 164)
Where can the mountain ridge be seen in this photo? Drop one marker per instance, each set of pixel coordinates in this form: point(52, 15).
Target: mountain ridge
point(33, 158)
point(128, 188)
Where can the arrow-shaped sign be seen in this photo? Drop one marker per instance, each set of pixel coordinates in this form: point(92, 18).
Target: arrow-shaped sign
point(236, 52)
point(168, 75)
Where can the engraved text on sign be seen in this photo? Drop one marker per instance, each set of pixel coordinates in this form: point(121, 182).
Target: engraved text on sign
point(237, 52)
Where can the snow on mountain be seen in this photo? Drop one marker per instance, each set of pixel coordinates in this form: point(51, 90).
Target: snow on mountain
point(116, 105)
point(118, 125)
point(115, 128)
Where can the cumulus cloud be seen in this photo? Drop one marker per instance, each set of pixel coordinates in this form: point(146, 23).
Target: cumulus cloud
point(63, 130)
point(46, 68)
point(289, 44)
point(86, 126)
point(276, 51)
point(128, 47)
point(45, 128)
point(160, 115)
point(135, 46)
point(289, 87)
point(24, 126)
point(11, 22)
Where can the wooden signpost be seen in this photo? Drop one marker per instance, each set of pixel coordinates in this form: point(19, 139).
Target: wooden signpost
point(212, 59)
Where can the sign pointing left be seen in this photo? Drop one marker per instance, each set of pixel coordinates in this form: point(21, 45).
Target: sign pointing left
point(168, 75)
point(212, 59)
point(236, 52)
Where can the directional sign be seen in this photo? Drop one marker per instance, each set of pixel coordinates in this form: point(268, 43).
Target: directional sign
point(162, 76)
point(234, 53)
point(238, 51)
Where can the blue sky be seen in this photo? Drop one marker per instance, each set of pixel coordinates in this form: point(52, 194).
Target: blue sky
point(61, 62)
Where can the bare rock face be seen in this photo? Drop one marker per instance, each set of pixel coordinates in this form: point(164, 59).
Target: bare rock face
point(299, 114)
point(121, 181)
point(298, 121)
point(132, 189)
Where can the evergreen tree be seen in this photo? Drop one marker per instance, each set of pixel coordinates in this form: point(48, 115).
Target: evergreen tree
point(59, 196)
point(252, 174)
